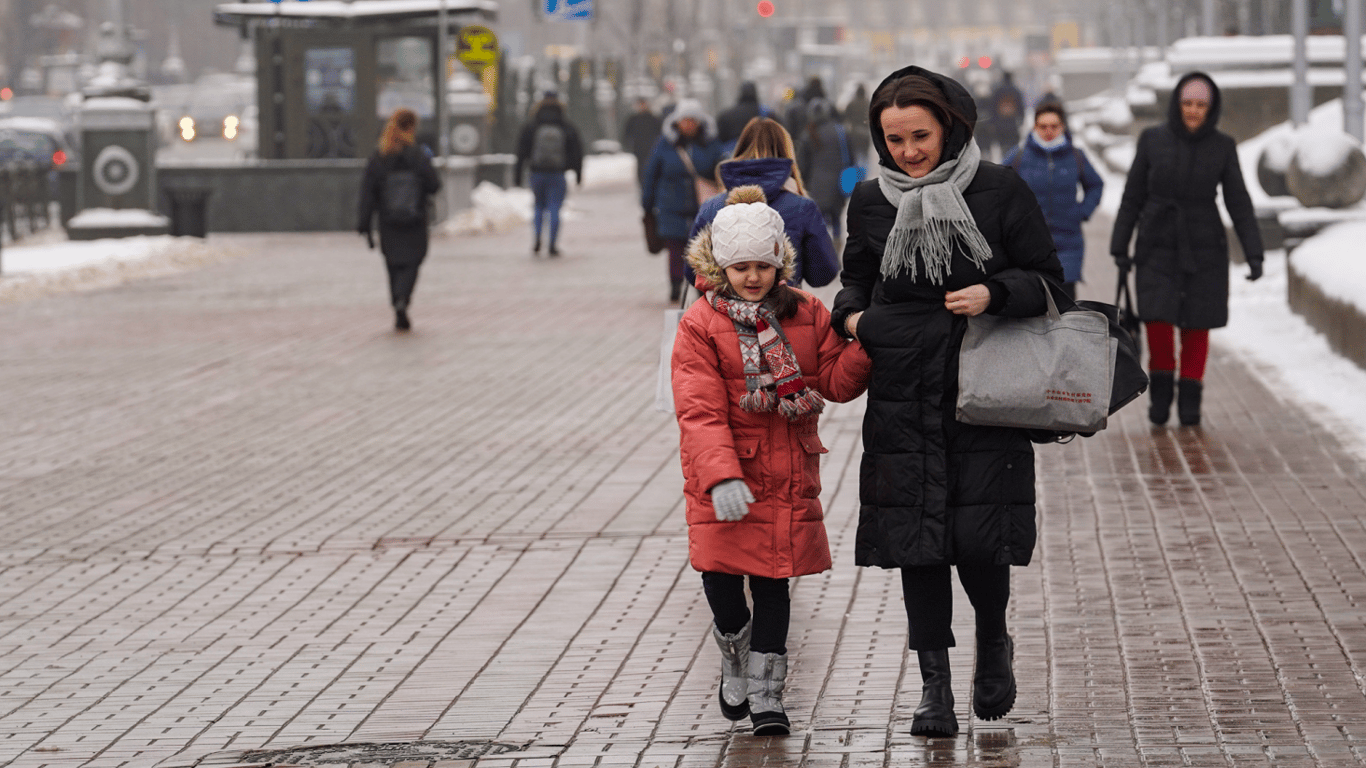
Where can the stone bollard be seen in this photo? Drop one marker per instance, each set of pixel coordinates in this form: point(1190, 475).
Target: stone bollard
point(1328, 169)
point(1275, 161)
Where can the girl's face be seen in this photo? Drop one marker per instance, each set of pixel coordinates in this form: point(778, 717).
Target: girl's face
point(751, 280)
point(914, 138)
point(1048, 125)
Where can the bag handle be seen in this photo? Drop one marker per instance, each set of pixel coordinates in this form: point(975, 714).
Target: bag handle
point(687, 162)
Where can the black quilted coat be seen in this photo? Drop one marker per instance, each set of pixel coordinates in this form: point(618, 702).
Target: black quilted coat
point(1181, 255)
point(932, 490)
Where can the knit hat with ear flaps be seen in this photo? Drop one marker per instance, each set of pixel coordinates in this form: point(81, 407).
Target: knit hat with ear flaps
point(747, 229)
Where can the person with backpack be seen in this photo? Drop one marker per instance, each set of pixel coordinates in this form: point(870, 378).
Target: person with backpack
point(399, 179)
point(823, 154)
point(549, 146)
point(753, 364)
point(1054, 167)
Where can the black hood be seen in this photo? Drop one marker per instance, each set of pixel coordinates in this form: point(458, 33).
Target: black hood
point(549, 111)
point(957, 95)
point(749, 94)
point(1174, 108)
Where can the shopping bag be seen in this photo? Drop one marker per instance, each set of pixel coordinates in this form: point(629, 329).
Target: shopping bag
point(664, 388)
point(1051, 372)
point(653, 242)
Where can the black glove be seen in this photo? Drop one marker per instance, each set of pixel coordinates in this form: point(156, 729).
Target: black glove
point(1123, 261)
point(1254, 270)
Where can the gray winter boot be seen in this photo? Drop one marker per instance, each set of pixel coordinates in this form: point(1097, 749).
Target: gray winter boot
point(734, 671)
point(767, 678)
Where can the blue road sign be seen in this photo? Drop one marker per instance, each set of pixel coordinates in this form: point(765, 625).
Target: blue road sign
point(569, 10)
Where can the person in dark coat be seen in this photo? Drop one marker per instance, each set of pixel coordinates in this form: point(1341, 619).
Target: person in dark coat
point(1181, 252)
point(550, 146)
point(941, 235)
point(399, 179)
point(733, 119)
point(1006, 117)
point(856, 125)
point(823, 154)
point(639, 134)
point(763, 158)
point(1054, 168)
point(671, 188)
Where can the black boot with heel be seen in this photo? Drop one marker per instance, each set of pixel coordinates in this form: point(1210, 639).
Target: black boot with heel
point(1160, 385)
point(934, 717)
point(1188, 402)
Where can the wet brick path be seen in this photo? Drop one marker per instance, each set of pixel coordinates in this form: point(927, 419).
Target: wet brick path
point(241, 514)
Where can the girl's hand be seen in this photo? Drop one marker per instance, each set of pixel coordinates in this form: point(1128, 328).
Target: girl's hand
point(731, 500)
point(851, 324)
point(970, 301)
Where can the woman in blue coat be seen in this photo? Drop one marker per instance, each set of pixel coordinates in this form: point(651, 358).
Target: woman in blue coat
point(669, 187)
point(1053, 167)
point(764, 158)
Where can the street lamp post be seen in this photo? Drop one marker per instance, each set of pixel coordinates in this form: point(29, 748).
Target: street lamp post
point(1351, 88)
point(1299, 90)
point(443, 117)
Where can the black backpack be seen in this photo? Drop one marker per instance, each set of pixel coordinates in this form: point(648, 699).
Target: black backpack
point(401, 200)
point(548, 148)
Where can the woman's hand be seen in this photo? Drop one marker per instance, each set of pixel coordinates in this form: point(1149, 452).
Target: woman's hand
point(970, 301)
point(851, 324)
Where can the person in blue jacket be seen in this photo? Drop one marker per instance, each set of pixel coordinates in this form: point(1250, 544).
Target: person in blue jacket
point(764, 157)
point(687, 151)
point(1053, 167)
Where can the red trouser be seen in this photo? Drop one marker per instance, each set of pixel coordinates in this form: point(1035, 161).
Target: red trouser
point(1162, 349)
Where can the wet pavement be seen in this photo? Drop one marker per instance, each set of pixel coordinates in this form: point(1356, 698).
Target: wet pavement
point(248, 524)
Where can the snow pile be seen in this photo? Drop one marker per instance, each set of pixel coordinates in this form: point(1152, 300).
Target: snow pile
point(494, 210)
point(35, 270)
point(1279, 148)
point(615, 168)
point(1334, 262)
point(1322, 151)
point(109, 218)
point(1296, 361)
point(1326, 116)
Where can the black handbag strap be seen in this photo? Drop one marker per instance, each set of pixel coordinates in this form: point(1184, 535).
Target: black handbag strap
point(1123, 297)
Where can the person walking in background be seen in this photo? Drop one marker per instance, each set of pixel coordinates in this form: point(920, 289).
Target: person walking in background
point(399, 179)
point(752, 367)
point(856, 125)
point(1181, 252)
point(939, 236)
point(639, 133)
point(1006, 117)
point(1054, 168)
point(823, 153)
point(550, 146)
point(794, 116)
point(764, 158)
point(685, 154)
point(733, 119)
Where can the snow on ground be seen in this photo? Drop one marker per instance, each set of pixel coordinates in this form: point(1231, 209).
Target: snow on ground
point(23, 259)
point(495, 209)
point(1334, 261)
point(1292, 359)
point(47, 263)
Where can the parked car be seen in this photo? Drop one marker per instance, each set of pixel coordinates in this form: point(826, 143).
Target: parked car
point(215, 107)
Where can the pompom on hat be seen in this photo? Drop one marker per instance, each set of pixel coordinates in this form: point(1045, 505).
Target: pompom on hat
point(747, 229)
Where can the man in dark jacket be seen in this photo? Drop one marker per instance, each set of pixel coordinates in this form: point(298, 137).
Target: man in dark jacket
point(639, 134)
point(1007, 115)
point(734, 119)
point(1181, 253)
point(935, 492)
point(550, 146)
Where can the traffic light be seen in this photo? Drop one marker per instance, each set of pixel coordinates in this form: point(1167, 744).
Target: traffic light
point(766, 8)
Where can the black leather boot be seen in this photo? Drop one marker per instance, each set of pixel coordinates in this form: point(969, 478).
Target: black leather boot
point(1188, 402)
point(993, 682)
point(1159, 396)
point(934, 717)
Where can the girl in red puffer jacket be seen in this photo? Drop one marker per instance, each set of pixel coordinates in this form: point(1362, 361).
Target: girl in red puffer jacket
point(753, 364)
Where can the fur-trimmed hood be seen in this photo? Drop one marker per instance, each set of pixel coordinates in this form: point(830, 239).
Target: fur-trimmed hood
point(699, 255)
point(690, 108)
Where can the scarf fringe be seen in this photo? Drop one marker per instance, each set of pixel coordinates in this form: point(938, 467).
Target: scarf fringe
point(932, 219)
point(808, 403)
point(758, 401)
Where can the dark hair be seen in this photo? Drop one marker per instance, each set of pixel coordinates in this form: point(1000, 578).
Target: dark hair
point(1054, 107)
point(783, 300)
point(916, 90)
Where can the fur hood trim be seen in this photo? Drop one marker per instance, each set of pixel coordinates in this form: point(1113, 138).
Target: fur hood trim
point(699, 253)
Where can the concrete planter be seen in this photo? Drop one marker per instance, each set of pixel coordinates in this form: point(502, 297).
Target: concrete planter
point(1343, 324)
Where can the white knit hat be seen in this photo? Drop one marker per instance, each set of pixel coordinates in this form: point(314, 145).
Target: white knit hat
point(747, 232)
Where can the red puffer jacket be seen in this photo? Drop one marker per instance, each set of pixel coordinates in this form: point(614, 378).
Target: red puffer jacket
point(784, 533)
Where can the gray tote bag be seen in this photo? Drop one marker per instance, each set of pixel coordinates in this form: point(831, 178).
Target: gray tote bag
point(1053, 372)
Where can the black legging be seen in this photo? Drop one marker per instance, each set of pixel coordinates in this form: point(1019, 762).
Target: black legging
point(772, 609)
point(929, 602)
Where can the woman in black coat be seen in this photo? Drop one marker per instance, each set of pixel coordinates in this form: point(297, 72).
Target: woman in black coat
point(940, 236)
point(398, 181)
point(1181, 254)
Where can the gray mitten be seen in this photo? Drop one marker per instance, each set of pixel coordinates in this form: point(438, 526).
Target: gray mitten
point(731, 500)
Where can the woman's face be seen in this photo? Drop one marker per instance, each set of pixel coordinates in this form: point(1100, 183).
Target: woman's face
point(1048, 125)
point(751, 280)
point(914, 138)
point(1193, 113)
point(687, 127)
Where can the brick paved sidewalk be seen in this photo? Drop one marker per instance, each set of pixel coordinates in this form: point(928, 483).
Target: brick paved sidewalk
point(240, 513)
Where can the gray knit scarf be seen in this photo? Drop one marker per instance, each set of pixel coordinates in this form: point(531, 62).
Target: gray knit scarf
point(931, 216)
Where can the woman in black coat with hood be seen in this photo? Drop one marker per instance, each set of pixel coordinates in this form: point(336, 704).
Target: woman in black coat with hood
point(1181, 255)
point(941, 235)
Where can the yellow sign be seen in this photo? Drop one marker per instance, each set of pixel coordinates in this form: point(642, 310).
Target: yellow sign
point(476, 48)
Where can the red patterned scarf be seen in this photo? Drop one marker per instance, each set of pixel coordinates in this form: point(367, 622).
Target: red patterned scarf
point(773, 380)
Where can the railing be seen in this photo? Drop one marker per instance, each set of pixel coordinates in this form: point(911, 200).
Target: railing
point(26, 197)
